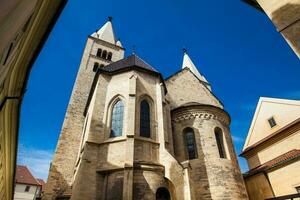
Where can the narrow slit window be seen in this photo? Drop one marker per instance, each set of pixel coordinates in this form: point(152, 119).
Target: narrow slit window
point(145, 119)
point(272, 122)
point(104, 54)
point(190, 143)
point(109, 56)
point(117, 119)
point(96, 65)
point(220, 142)
point(99, 52)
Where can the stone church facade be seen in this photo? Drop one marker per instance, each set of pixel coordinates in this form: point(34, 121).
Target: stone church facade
point(130, 134)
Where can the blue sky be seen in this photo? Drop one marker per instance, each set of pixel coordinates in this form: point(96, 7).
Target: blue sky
point(233, 45)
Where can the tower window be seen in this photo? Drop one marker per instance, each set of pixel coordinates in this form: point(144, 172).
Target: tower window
point(109, 55)
point(99, 51)
point(96, 65)
point(190, 143)
point(220, 142)
point(272, 122)
point(117, 119)
point(145, 119)
point(104, 54)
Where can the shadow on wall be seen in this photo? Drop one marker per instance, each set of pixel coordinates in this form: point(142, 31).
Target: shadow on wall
point(57, 177)
point(287, 21)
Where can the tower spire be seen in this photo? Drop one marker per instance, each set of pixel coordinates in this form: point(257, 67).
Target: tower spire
point(188, 63)
point(106, 32)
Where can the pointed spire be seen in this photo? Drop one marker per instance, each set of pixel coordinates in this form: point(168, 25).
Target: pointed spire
point(106, 32)
point(187, 62)
point(118, 43)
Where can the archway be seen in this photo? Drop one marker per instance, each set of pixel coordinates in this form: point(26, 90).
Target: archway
point(162, 194)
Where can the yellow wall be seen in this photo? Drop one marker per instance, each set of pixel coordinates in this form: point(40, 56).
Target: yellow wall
point(285, 179)
point(258, 187)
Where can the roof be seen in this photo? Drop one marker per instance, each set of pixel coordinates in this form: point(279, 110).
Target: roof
point(24, 176)
point(132, 61)
point(42, 183)
point(254, 4)
point(187, 62)
point(284, 111)
point(292, 155)
point(270, 137)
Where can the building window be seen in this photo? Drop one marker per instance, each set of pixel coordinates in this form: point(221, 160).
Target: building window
point(145, 119)
point(109, 55)
point(162, 194)
point(117, 119)
point(99, 51)
point(298, 189)
point(190, 143)
point(220, 142)
point(27, 188)
point(272, 122)
point(96, 65)
point(104, 54)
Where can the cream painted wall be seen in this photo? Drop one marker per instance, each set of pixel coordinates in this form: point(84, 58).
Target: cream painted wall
point(284, 112)
point(20, 193)
point(285, 179)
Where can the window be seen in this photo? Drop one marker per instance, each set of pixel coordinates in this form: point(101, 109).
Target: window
point(145, 119)
point(96, 65)
point(298, 189)
point(27, 188)
point(109, 55)
point(272, 122)
point(117, 119)
point(99, 51)
point(162, 194)
point(220, 143)
point(104, 54)
point(190, 143)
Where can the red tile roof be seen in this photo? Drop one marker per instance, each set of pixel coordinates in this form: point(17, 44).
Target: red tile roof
point(42, 183)
point(24, 176)
point(280, 160)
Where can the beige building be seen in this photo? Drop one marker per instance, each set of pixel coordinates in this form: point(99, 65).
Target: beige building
point(272, 149)
point(130, 134)
point(24, 27)
point(285, 15)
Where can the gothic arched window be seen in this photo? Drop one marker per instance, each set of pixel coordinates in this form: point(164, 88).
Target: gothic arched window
point(190, 143)
point(145, 119)
point(220, 142)
point(99, 51)
point(117, 119)
point(109, 55)
point(104, 54)
point(162, 194)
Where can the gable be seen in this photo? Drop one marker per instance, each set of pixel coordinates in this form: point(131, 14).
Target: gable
point(184, 88)
point(283, 111)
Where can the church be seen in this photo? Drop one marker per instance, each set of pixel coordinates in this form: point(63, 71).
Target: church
point(129, 133)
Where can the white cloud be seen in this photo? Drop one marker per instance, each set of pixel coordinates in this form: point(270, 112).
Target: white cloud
point(37, 160)
point(237, 139)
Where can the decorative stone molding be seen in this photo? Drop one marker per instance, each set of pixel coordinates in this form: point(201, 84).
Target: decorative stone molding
point(200, 112)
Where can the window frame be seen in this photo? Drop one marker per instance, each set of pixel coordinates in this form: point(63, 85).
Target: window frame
point(272, 122)
point(140, 118)
point(186, 131)
point(27, 188)
point(115, 102)
point(220, 143)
